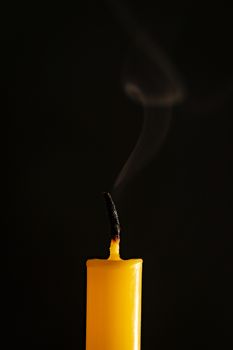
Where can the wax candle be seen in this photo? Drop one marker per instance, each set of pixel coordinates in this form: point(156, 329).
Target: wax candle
point(114, 286)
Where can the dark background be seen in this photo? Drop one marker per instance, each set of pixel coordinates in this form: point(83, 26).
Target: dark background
point(70, 130)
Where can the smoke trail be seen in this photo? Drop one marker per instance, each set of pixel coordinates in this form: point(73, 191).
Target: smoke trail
point(150, 79)
point(150, 84)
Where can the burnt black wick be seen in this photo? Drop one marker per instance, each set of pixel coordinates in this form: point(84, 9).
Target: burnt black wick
point(113, 216)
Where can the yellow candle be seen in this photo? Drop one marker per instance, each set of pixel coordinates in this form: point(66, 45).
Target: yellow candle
point(113, 320)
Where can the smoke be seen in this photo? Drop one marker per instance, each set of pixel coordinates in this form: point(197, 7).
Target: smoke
point(149, 79)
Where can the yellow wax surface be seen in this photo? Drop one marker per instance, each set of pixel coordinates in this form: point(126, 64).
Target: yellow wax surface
point(113, 302)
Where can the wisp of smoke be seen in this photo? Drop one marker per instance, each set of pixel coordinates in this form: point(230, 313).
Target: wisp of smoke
point(150, 79)
point(150, 84)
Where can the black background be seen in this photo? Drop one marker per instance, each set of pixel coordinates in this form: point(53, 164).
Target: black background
point(71, 128)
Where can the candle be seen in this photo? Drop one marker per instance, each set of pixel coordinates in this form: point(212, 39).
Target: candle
point(113, 319)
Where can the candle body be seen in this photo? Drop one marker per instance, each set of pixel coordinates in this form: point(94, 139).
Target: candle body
point(113, 304)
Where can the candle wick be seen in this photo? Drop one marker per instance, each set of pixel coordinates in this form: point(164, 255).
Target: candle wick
point(113, 217)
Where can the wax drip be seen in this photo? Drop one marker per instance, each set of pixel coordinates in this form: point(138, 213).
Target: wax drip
point(113, 217)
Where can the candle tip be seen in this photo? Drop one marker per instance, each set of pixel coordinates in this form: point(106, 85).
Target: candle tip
point(113, 216)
